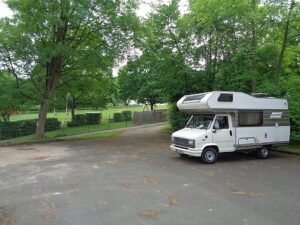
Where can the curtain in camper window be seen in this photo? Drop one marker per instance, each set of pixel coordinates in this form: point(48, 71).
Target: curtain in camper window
point(247, 118)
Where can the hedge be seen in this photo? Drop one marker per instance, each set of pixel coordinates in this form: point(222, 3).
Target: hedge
point(85, 119)
point(93, 118)
point(127, 115)
point(79, 120)
point(178, 119)
point(25, 127)
point(117, 117)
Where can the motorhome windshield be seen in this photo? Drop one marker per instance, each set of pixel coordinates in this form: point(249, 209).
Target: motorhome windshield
point(200, 121)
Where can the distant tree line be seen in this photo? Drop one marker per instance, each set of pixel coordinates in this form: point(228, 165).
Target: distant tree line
point(246, 45)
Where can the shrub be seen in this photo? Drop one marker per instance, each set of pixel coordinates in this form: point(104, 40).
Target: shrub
point(117, 117)
point(177, 119)
point(79, 120)
point(93, 118)
point(127, 115)
point(52, 124)
point(25, 127)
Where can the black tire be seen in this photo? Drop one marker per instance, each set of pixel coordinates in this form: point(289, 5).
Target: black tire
point(262, 153)
point(209, 155)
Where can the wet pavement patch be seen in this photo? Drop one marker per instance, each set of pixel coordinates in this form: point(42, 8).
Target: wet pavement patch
point(173, 201)
point(40, 158)
point(149, 214)
point(248, 194)
point(50, 212)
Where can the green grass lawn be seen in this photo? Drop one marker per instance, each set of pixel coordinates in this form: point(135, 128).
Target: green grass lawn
point(65, 117)
point(105, 124)
point(67, 131)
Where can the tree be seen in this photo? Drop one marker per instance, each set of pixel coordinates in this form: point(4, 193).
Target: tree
point(140, 82)
point(284, 41)
point(93, 90)
point(48, 40)
point(10, 99)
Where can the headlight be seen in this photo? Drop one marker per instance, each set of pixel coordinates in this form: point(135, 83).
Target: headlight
point(173, 139)
point(191, 143)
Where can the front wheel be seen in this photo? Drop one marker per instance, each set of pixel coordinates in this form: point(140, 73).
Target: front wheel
point(209, 155)
point(262, 153)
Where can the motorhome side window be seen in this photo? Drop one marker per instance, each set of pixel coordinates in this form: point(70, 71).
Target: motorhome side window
point(221, 122)
point(250, 118)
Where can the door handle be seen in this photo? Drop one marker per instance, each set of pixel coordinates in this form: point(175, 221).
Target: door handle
point(230, 132)
point(214, 131)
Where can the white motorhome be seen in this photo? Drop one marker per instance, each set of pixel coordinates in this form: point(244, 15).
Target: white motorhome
point(223, 121)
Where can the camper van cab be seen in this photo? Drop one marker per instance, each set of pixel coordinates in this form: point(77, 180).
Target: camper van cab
point(230, 121)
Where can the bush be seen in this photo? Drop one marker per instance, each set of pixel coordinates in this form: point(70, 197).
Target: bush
point(178, 119)
point(79, 120)
point(93, 118)
point(127, 115)
point(52, 124)
point(25, 127)
point(117, 117)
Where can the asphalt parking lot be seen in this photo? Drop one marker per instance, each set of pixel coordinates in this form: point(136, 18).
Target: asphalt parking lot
point(135, 179)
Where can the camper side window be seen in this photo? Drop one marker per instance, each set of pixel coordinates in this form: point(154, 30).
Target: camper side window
point(248, 118)
point(221, 122)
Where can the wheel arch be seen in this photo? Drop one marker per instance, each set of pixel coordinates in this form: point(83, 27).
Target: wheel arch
point(211, 145)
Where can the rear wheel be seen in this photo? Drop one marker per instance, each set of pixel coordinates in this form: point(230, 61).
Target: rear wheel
point(209, 155)
point(263, 152)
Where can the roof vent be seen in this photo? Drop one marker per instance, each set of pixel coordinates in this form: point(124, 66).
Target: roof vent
point(260, 95)
point(224, 97)
point(193, 98)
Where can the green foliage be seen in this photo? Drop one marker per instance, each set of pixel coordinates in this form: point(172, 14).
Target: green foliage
point(25, 127)
point(117, 117)
point(291, 86)
point(10, 98)
point(52, 124)
point(126, 115)
point(79, 120)
point(93, 118)
point(49, 44)
point(177, 119)
point(123, 116)
point(85, 119)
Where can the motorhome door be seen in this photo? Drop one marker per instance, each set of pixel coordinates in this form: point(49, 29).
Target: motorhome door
point(222, 133)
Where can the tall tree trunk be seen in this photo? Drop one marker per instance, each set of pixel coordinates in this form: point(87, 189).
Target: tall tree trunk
point(73, 106)
point(152, 105)
point(253, 50)
point(284, 44)
point(53, 72)
point(40, 126)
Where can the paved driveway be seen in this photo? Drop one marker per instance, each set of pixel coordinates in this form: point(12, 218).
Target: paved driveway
point(135, 179)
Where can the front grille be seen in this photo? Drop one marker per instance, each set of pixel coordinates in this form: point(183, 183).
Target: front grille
point(181, 142)
point(181, 147)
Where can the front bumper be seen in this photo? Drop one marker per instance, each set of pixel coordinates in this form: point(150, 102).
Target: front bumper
point(190, 151)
